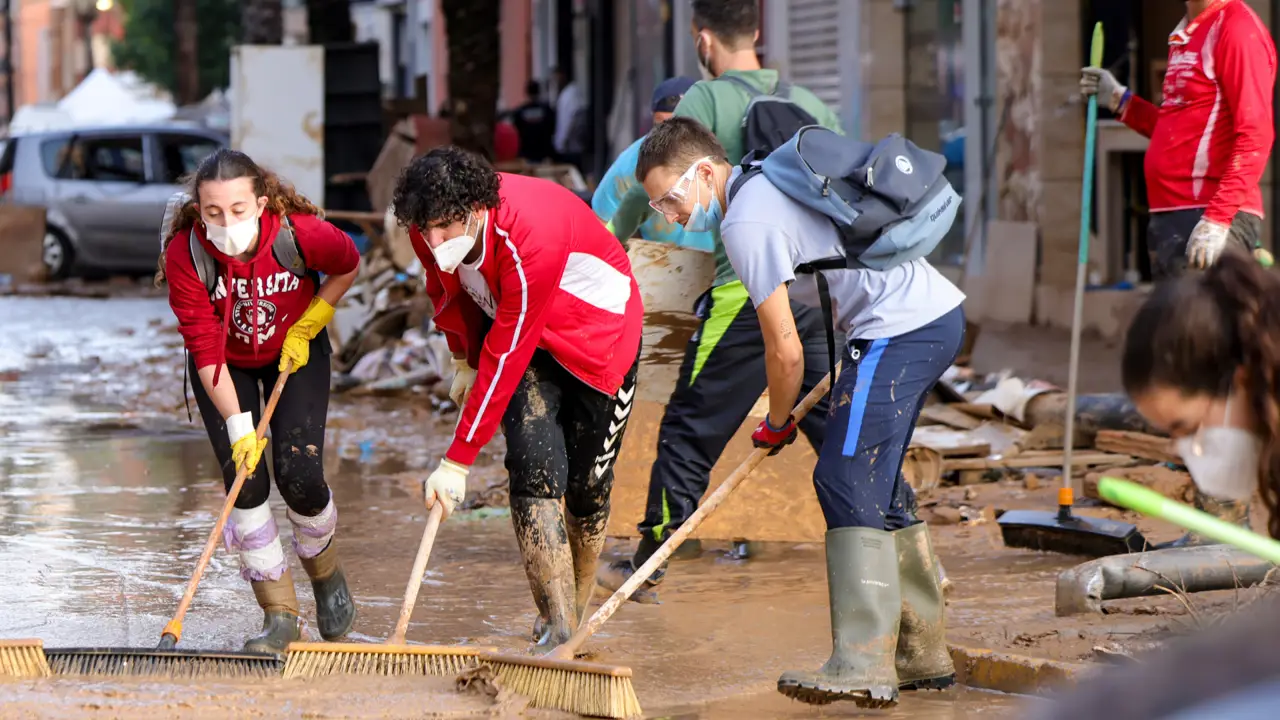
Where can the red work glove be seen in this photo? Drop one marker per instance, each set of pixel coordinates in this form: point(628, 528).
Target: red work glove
point(767, 436)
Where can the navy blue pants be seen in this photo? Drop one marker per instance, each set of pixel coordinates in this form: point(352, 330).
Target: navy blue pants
point(878, 397)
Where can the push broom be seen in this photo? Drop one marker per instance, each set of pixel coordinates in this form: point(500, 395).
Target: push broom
point(394, 657)
point(166, 660)
point(558, 682)
point(1063, 531)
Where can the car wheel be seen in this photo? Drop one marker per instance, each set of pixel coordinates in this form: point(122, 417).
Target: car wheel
point(57, 254)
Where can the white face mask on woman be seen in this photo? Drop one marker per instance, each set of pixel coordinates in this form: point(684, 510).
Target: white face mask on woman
point(235, 239)
point(1223, 461)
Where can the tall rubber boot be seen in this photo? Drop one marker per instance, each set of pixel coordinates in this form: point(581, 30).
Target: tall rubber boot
point(548, 561)
point(335, 609)
point(612, 576)
point(923, 661)
point(279, 603)
point(1233, 511)
point(586, 540)
point(866, 607)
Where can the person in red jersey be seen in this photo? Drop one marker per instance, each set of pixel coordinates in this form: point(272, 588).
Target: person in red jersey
point(243, 253)
point(1210, 136)
point(1210, 140)
point(543, 316)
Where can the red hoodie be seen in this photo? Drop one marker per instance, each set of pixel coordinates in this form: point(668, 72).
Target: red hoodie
point(550, 276)
point(224, 327)
point(1212, 134)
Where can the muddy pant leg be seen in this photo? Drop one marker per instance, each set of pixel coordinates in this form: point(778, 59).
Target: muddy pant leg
point(902, 509)
point(257, 486)
point(537, 466)
point(721, 377)
point(594, 425)
point(877, 396)
point(1168, 233)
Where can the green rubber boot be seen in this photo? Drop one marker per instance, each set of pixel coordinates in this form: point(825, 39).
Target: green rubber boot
point(866, 608)
point(279, 603)
point(922, 660)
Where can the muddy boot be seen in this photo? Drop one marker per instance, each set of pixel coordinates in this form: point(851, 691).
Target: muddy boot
point(586, 540)
point(544, 545)
point(1233, 511)
point(866, 607)
point(335, 610)
point(279, 604)
point(923, 661)
point(612, 576)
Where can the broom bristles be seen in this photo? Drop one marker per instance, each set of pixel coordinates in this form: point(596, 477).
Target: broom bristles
point(23, 659)
point(173, 665)
point(576, 687)
point(307, 660)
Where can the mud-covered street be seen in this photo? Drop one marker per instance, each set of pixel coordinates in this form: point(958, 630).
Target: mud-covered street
point(107, 493)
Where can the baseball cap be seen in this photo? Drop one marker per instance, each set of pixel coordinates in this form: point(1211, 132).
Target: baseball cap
point(667, 95)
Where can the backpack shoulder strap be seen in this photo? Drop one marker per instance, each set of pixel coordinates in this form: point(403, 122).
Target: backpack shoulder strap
point(748, 171)
point(285, 248)
point(206, 266)
point(741, 83)
point(782, 89)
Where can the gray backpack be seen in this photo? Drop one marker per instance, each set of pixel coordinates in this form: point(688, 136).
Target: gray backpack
point(285, 247)
point(889, 201)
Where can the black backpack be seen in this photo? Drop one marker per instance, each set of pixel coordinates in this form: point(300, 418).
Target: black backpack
point(770, 120)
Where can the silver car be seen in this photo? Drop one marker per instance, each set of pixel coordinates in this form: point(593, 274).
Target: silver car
point(105, 190)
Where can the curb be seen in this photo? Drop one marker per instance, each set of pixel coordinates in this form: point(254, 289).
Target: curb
point(1006, 672)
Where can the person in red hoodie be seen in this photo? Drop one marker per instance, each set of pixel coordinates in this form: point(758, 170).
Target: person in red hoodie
point(1210, 136)
point(543, 316)
point(243, 314)
point(1210, 140)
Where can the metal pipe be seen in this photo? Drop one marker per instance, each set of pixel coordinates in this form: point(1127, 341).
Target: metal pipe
point(1083, 588)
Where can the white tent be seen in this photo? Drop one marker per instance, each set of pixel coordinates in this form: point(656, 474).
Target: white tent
point(101, 99)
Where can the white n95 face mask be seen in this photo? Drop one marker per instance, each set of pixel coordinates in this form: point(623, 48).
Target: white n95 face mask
point(1223, 461)
point(235, 239)
point(450, 253)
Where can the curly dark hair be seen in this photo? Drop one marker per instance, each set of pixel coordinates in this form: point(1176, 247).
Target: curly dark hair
point(441, 187)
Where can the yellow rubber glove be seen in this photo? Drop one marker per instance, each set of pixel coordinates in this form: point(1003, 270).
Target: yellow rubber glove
point(447, 485)
point(246, 448)
point(297, 342)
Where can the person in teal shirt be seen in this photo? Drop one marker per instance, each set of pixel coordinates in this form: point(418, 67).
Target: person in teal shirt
point(621, 178)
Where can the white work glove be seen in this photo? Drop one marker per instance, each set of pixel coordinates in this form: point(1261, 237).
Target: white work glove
point(1096, 81)
point(448, 485)
point(464, 376)
point(246, 448)
point(1208, 240)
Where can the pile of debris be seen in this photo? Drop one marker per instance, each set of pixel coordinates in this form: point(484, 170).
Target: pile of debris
point(994, 428)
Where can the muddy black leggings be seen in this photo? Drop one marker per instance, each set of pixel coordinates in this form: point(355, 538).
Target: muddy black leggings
point(297, 430)
point(564, 436)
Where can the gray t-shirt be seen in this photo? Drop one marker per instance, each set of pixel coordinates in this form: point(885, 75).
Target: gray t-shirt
point(767, 234)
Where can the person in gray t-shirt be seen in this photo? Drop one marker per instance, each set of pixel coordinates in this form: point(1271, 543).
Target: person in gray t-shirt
point(904, 326)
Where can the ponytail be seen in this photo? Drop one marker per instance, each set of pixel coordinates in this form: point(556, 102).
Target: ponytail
point(1251, 295)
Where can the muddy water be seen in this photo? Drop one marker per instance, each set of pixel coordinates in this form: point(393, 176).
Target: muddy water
point(103, 511)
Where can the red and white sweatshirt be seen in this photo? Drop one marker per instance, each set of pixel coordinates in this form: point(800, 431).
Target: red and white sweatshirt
point(549, 276)
point(245, 327)
point(1212, 134)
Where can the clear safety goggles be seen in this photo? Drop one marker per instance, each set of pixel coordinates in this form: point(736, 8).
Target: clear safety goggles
point(669, 204)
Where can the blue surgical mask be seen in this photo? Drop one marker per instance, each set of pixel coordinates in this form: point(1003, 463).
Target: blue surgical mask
point(704, 219)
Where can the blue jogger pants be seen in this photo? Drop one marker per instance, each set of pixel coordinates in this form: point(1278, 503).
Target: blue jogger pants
point(878, 397)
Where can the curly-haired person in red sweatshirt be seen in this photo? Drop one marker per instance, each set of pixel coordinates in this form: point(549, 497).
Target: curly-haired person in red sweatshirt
point(243, 259)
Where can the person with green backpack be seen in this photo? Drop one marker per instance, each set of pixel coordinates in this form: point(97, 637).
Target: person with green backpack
point(723, 370)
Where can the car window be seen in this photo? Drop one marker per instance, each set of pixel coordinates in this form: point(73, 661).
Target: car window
point(181, 154)
point(52, 153)
point(101, 159)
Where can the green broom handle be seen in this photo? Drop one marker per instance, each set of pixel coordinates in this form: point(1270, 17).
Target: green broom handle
point(1149, 502)
point(1082, 264)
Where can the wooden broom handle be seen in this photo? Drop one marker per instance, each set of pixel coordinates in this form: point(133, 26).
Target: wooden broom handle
point(174, 628)
point(415, 576)
point(610, 606)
